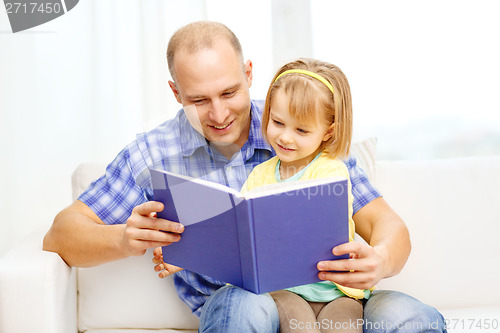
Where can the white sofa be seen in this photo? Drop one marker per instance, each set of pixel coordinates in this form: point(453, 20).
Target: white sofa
point(451, 208)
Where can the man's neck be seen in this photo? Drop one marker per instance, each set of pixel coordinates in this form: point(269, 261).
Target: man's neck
point(226, 150)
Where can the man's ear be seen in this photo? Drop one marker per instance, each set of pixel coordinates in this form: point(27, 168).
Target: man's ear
point(329, 132)
point(248, 72)
point(175, 91)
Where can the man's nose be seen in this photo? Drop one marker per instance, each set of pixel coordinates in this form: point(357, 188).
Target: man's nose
point(219, 112)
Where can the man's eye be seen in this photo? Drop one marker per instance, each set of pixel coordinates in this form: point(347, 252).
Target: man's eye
point(229, 94)
point(198, 101)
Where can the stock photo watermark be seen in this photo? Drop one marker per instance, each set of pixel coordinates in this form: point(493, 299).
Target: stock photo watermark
point(483, 324)
point(24, 15)
point(336, 189)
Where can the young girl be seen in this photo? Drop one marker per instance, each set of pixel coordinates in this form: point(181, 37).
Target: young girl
point(307, 119)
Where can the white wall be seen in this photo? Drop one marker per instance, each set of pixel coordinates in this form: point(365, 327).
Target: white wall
point(80, 87)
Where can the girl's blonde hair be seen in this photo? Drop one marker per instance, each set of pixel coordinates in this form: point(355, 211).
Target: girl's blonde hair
point(310, 100)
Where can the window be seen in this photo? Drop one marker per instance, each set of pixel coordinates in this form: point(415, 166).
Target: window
point(424, 75)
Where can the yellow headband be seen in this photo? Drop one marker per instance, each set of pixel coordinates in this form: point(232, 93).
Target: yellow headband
point(311, 74)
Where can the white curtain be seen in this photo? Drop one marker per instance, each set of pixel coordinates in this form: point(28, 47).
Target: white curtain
point(80, 87)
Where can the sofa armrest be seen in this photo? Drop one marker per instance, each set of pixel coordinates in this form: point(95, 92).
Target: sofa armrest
point(37, 289)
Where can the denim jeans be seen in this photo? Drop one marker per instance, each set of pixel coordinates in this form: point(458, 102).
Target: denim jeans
point(391, 311)
point(232, 309)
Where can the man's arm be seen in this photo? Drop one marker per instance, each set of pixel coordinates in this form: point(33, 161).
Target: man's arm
point(82, 239)
point(379, 225)
point(387, 252)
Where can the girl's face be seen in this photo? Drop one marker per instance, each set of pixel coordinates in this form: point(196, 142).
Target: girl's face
point(296, 143)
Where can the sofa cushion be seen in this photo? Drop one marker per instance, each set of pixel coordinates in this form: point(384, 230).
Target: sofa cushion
point(365, 153)
point(451, 210)
point(128, 294)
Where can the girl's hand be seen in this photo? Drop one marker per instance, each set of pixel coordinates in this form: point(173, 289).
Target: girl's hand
point(162, 267)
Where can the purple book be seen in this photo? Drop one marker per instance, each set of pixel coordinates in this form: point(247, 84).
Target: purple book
point(271, 238)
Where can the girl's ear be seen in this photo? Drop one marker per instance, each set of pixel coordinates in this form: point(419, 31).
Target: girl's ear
point(329, 132)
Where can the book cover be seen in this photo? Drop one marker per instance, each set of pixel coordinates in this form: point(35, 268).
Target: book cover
point(266, 240)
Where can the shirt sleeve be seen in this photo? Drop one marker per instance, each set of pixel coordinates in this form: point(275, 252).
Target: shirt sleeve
point(113, 196)
point(362, 190)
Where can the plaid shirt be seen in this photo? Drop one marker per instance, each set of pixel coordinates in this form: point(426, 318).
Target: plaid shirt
point(175, 146)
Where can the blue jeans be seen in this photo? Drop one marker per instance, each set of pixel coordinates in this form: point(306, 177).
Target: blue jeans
point(391, 311)
point(232, 309)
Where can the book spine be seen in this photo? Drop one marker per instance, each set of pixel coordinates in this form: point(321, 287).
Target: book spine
point(246, 238)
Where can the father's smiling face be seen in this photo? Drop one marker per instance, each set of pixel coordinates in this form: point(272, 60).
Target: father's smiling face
point(213, 86)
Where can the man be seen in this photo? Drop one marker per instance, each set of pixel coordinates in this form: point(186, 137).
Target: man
point(217, 137)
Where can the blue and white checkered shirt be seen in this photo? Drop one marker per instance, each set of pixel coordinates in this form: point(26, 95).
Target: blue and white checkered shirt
point(175, 146)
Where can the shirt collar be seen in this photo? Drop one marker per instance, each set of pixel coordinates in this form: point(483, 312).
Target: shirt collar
point(255, 137)
point(191, 140)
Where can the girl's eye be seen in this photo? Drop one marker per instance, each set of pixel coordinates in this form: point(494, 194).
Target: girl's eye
point(302, 131)
point(278, 123)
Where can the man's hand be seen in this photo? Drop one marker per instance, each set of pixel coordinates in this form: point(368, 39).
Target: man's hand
point(162, 267)
point(363, 270)
point(144, 230)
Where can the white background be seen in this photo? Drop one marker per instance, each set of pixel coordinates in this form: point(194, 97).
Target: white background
point(425, 80)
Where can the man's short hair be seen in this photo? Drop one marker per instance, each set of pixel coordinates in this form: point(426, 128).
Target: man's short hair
point(197, 36)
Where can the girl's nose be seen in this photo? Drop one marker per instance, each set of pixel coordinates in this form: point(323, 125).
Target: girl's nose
point(286, 137)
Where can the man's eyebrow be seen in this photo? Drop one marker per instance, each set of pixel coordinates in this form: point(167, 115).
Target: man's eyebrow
point(195, 97)
point(236, 86)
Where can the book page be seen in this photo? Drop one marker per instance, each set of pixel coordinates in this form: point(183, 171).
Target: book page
point(203, 182)
point(281, 187)
point(192, 200)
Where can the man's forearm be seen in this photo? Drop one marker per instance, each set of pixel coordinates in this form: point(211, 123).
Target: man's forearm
point(81, 241)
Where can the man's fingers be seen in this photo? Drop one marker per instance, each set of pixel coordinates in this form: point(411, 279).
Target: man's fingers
point(351, 280)
point(342, 265)
point(360, 271)
point(170, 226)
point(148, 207)
point(143, 222)
point(155, 236)
point(346, 248)
point(144, 230)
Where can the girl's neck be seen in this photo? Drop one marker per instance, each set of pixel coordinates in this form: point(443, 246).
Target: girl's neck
point(289, 169)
